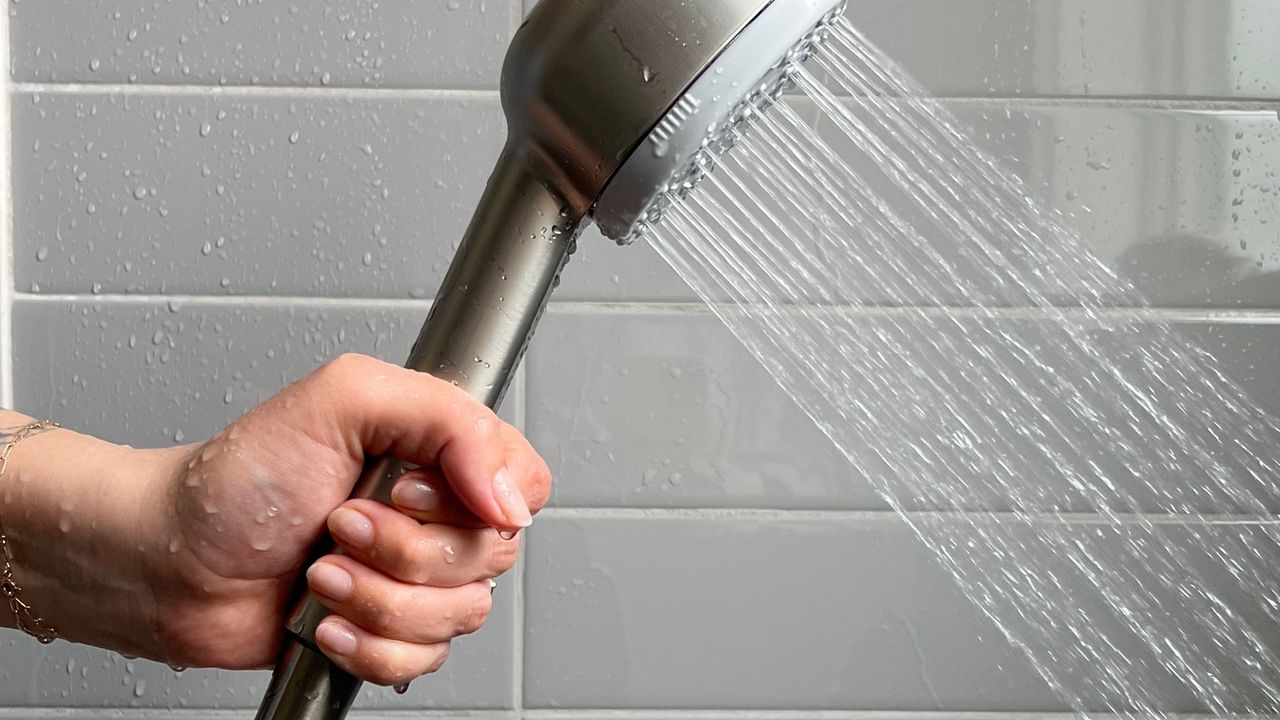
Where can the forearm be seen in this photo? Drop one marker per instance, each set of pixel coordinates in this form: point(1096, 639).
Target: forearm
point(85, 546)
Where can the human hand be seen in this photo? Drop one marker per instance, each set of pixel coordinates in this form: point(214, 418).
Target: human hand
point(223, 528)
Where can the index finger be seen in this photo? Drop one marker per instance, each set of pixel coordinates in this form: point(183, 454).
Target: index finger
point(373, 408)
point(424, 494)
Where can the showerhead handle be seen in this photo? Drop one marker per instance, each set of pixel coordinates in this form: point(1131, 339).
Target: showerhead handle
point(586, 85)
point(479, 328)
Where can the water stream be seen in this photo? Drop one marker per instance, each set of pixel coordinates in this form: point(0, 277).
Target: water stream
point(1090, 479)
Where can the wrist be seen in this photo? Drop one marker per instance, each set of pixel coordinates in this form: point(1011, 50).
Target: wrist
point(82, 516)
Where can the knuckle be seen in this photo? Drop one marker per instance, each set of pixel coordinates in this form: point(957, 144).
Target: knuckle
point(345, 365)
point(377, 616)
point(371, 616)
point(401, 596)
point(440, 654)
point(406, 664)
point(502, 554)
point(539, 485)
point(486, 423)
point(417, 561)
point(346, 371)
point(392, 672)
point(477, 616)
point(377, 621)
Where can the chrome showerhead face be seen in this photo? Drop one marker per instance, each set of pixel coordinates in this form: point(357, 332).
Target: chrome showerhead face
point(621, 104)
point(751, 73)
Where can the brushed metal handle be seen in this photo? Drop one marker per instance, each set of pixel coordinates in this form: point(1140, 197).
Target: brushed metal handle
point(480, 325)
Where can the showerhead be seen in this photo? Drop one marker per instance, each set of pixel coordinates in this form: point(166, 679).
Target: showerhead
point(615, 108)
point(614, 100)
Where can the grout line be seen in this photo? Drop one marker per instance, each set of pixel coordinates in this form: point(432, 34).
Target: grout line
point(204, 714)
point(37, 713)
point(517, 15)
point(1248, 316)
point(1191, 104)
point(1148, 314)
point(618, 714)
point(518, 629)
point(7, 242)
point(887, 515)
point(334, 93)
point(287, 301)
point(521, 382)
point(1245, 104)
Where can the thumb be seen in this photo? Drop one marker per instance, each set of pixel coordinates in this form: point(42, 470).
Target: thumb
point(373, 408)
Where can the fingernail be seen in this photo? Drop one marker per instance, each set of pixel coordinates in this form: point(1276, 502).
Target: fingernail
point(352, 528)
point(335, 636)
point(415, 495)
point(331, 581)
point(510, 500)
point(508, 535)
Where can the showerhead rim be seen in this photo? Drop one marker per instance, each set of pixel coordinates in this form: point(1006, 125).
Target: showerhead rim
point(671, 158)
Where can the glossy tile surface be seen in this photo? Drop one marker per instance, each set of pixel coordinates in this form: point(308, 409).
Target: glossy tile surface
point(245, 195)
point(667, 409)
point(211, 198)
point(387, 44)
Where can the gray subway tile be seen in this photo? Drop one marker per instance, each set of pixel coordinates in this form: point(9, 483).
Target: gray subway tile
point(1181, 204)
point(1138, 48)
point(757, 614)
point(603, 271)
point(151, 375)
point(399, 43)
point(667, 409)
point(245, 194)
point(1090, 48)
point(478, 675)
point(835, 613)
point(155, 374)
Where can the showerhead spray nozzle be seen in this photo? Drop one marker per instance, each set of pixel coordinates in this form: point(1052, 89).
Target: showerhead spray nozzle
point(627, 101)
point(615, 110)
point(750, 74)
